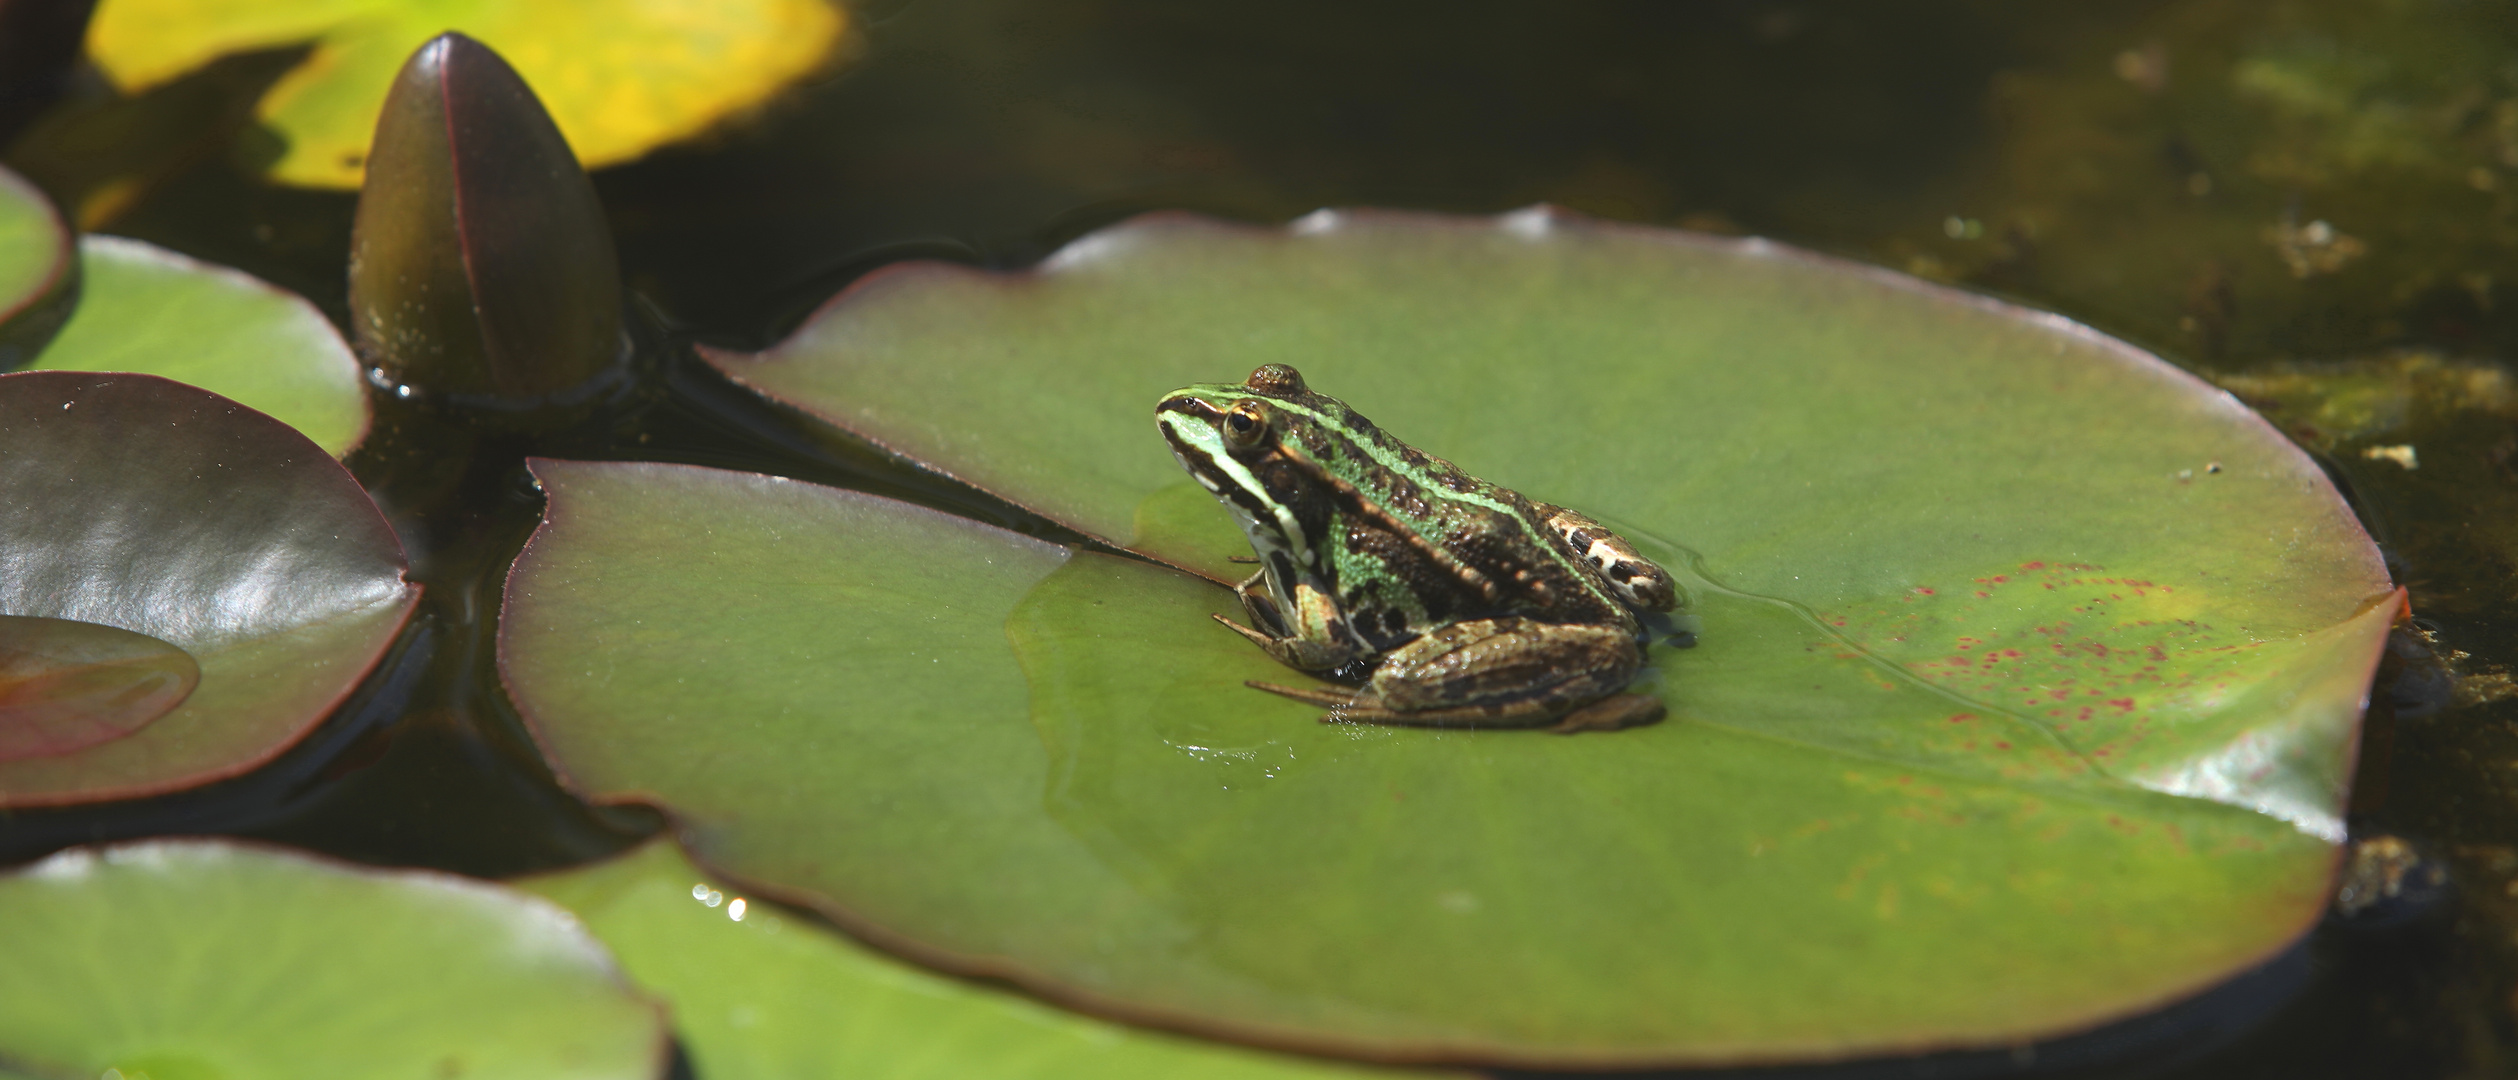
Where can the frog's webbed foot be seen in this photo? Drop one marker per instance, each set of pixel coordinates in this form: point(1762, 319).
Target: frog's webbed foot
point(1321, 696)
point(1256, 638)
point(1293, 652)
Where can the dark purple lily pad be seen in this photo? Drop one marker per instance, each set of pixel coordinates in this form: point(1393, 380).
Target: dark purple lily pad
point(139, 503)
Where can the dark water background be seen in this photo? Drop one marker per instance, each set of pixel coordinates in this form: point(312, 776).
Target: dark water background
point(2315, 203)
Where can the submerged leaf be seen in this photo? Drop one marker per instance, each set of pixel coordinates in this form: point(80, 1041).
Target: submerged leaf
point(620, 80)
point(758, 993)
point(66, 686)
point(176, 958)
point(144, 504)
point(145, 309)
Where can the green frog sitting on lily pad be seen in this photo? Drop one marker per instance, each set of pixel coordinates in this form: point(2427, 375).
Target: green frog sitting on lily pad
point(1442, 599)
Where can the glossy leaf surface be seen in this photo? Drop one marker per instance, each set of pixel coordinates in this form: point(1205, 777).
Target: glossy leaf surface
point(66, 685)
point(35, 265)
point(1010, 760)
point(481, 268)
point(184, 960)
point(758, 993)
point(620, 80)
point(1996, 503)
point(145, 309)
point(143, 504)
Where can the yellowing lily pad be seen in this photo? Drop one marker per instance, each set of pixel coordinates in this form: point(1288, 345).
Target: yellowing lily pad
point(2025, 673)
point(196, 960)
point(759, 993)
point(145, 309)
point(619, 79)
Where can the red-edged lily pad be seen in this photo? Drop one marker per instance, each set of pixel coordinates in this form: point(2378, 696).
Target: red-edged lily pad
point(141, 504)
point(2026, 676)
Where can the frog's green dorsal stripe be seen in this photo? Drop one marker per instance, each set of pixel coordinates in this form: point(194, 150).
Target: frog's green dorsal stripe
point(1353, 429)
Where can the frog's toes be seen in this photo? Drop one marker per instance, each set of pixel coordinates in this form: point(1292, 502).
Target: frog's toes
point(1333, 699)
point(1256, 638)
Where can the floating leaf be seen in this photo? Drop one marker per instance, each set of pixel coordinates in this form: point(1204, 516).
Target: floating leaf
point(66, 685)
point(35, 270)
point(1934, 476)
point(1904, 527)
point(145, 309)
point(195, 959)
point(140, 503)
point(756, 993)
point(1101, 810)
point(621, 80)
point(481, 269)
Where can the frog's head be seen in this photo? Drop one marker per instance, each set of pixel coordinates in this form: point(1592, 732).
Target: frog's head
point(1234, 439)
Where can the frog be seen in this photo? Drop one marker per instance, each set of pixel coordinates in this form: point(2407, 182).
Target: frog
point(1427, 596)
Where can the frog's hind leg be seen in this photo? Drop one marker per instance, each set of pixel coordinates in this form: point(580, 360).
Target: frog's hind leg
point(1322, 696)
point(1614, 713)
point(1361, 706)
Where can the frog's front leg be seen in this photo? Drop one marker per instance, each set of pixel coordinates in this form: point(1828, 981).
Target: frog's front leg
point(1312, 637)
point(1505, 672)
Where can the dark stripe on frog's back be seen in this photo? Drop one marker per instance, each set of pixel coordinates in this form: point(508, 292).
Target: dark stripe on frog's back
point(1465, 508)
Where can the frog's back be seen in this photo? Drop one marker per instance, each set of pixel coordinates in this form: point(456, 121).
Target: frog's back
point(1517, 566)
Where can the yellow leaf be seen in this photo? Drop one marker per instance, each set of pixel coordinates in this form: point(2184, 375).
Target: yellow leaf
point(620, 77)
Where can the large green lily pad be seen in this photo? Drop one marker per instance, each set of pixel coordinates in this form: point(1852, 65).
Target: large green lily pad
point(145, 309)
point(2026, 675)
point(757, 993)
point(35, 266)
point(196, 960)
point(620, 80)
point(1993, 500)
point(142, 504)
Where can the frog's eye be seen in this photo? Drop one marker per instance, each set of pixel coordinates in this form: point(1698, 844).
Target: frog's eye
point(1245, 424)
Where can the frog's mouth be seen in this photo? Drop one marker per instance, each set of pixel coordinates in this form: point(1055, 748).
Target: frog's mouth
point(1198, 449)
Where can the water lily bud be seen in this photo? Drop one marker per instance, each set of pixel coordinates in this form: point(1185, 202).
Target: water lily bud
point(482, 274)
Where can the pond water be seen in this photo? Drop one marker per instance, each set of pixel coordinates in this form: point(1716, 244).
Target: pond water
point(2313, 203)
